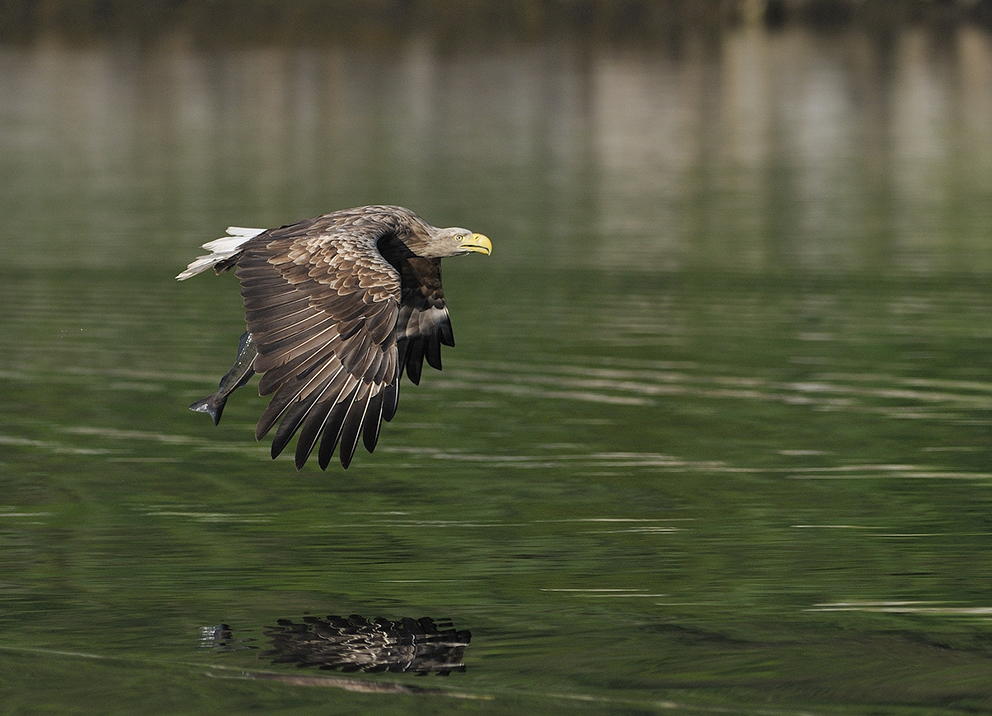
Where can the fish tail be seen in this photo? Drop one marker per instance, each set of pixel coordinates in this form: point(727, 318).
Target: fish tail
point(212, 405)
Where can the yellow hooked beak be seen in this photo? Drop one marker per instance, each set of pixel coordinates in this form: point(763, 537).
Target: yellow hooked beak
point(479, 244)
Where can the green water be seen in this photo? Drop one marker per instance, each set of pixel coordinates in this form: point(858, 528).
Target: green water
point(714, 438)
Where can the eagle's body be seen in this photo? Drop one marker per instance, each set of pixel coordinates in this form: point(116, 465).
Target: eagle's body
point(337, 307)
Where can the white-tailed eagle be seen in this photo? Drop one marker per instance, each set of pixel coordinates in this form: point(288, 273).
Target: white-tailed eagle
point(337, 308)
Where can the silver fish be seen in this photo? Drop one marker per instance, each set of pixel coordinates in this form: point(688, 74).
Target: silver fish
point(240, 373)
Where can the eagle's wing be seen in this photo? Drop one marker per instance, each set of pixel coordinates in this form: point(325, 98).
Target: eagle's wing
point(423, 323)
point(321, 304)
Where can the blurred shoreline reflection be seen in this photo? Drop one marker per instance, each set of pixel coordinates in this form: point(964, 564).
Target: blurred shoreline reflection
point(746, 149)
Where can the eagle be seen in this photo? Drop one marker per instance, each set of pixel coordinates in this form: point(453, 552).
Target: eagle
point(337, 307)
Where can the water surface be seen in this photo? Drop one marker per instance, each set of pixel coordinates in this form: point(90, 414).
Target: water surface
point(714, 437)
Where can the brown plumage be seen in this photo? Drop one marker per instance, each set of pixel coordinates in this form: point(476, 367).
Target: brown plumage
point(337, 308)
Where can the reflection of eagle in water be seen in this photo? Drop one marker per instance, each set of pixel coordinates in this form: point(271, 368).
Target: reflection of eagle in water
point(357, 644)
point(337, 307)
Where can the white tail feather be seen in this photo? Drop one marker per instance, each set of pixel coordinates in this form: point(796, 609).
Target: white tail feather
point(221, 249)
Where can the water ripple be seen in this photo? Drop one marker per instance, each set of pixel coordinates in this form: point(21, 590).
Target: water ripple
point(905, 398)
point(900, 607)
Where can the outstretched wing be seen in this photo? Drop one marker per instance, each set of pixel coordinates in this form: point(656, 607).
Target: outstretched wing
point(423, 323)
point(321, 304)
